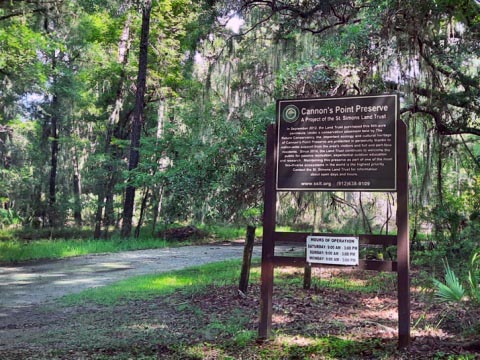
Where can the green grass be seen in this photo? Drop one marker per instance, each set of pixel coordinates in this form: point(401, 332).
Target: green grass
point(19, 245)
point(224, 232)
point(189, 281)
point(194, 280)
point(32, 234)
point(229, 232)
point(329, 347)
point(12, 251)
point(348, 282)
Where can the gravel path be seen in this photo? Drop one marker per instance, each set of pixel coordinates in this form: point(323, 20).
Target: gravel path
point(36, 283)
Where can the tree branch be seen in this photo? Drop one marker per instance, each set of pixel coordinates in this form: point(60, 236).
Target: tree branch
point(325, 28)
point(475, 160)
point(442, 128)
point(20, 13)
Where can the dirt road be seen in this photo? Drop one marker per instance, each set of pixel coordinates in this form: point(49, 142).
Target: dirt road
point(26, 285)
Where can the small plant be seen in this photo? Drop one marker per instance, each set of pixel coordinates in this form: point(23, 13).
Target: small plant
point(474, 277)
point(8, 217)
point(452, 290)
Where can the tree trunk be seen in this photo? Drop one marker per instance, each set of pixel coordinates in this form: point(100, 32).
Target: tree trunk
point(52, 183)
point(142, 213)
point(366, 223)
point(439, 171)
point(137, 119)
point(97, 233)
point(438, 219)
point(157, 190)
point(105, 194)
point(77, 192)
point(109, 213)
point(157, 208)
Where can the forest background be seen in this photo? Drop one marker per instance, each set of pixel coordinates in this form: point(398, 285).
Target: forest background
point(126, 117)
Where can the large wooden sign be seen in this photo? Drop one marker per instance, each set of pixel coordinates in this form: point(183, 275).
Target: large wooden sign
point(346, 143)
point(337, 144)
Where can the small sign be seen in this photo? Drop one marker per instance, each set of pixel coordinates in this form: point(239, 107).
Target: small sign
point(337, 144)
point(333, 250)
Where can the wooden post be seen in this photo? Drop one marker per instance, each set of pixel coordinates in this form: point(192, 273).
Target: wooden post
point(403, 247)
point(268, 245)
point(247, 259)
point(307, 277)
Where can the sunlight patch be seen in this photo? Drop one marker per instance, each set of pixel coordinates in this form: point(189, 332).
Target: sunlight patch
point(281, 319)
point(145, 327)
point(297, 340)
point(204, 351)
point(166, 282)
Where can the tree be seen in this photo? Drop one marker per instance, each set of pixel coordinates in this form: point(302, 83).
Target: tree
point(436, 44)
point(110, 151)
point(181, 120)
point(137, 117)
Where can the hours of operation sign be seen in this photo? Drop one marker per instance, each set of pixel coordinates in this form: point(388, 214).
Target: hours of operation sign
point(332, 250)
point(346, 144)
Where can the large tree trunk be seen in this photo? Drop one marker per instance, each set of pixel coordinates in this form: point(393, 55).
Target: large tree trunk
point(105, 193)
point(137, 119)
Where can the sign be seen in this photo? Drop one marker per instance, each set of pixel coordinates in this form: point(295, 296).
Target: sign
point(332, 250)
point(346, 144)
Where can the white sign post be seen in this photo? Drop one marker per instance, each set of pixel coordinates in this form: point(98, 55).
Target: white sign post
point(333, 250)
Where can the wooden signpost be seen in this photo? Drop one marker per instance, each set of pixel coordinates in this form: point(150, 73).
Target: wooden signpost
point(337, 144)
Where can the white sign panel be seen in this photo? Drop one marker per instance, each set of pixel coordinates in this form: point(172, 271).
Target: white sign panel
point(332, 250)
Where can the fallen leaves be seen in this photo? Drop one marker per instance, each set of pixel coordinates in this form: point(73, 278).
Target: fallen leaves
point(220, 322)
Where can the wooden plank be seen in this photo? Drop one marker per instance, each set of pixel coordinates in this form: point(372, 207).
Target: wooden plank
point(365, 239)
point(297, 261)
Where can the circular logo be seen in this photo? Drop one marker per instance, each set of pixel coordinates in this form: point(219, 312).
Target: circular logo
point(291, 113)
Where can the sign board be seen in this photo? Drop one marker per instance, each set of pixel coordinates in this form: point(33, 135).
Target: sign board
point(332, 250)
point(303, 136)
point(346, 144)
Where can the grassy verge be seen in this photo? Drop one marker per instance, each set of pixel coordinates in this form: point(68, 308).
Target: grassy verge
point(191, 281)
point(25, 245)
point(197, 313)
point(13, 251)
point(196, 280)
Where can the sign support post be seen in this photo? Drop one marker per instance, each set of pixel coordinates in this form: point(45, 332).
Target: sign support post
point(268, 242)
point(403, 246)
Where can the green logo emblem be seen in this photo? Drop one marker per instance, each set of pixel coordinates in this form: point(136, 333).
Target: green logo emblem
point(291, 113)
